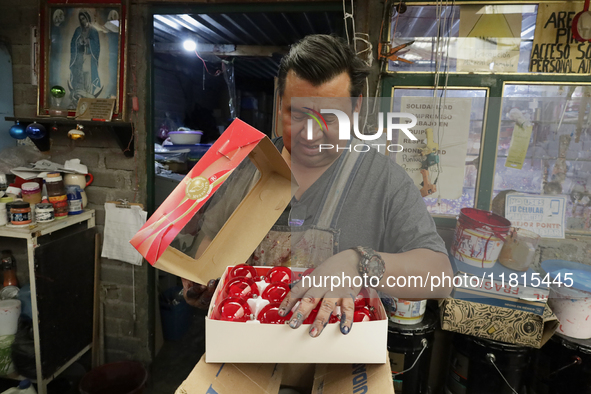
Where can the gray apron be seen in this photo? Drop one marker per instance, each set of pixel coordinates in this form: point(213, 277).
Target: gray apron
point(309, 245)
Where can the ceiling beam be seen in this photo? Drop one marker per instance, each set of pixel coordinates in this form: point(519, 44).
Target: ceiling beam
point(222, 50)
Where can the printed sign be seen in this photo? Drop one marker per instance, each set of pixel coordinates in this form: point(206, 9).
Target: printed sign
point(544, 215)
point(489, 40)
point(554, 48)
point(450, 125)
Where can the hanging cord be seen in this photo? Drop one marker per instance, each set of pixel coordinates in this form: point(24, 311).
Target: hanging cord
point(351, 16)
point(424, 343)
point(218, 72)
point(491, 358)
point(441, 133)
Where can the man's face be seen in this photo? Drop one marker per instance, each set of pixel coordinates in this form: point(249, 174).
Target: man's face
point(299, 98)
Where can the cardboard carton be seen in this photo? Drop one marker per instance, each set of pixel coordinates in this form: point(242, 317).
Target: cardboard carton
point(258, 211)
point(279, 343)
point(268, 378)
point(498, 323)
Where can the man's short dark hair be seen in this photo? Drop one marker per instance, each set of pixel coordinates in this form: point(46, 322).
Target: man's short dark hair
point(319, 58)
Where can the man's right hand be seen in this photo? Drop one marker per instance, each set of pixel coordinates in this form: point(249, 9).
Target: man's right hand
point(197, 295)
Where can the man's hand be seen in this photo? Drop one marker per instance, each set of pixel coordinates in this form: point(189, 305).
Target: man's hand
point(199, 296)
point(343, 264)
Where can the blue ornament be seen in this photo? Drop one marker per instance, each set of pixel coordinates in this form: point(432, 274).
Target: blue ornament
point(36, 131)
point(18, 131)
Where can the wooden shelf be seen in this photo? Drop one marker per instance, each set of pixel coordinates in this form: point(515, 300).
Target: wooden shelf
point(122, 131)
point(39, 229)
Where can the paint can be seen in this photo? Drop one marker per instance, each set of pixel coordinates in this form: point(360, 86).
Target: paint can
point(407, 312)
point(570, 296)
point(410, 348)
point(479, 237)
point(481, 366)
point(562, 366)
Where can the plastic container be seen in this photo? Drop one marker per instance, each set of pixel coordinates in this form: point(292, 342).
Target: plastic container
point(185, 137)
point(60, 206)
point(570, 304)
point(519, 249)
point(408, 312)
point(479, 237)
point(124, 377)
point(24, 387)
point(74, 194)
point(44, 213)
point(6, 200)
point(10, 310)
point(3, 214)
point(20, 213)
point(175, 313)
point(31, 192)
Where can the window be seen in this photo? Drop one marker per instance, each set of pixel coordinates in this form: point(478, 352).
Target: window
point(558, 158)
point(462, 46)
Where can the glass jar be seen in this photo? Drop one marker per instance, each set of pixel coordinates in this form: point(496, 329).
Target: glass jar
point(55, 185)
point(20, 213)
point(31, 192)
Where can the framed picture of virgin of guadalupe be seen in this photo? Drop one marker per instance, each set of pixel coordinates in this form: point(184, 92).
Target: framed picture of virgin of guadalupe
point(82, 54)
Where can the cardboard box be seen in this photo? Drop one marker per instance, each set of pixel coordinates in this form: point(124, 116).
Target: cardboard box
point(497, 323)
point(501, 281)
point(259, 210)
point(279, 343)
point(268, 378)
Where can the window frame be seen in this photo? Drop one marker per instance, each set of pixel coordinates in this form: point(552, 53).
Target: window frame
point(490, 139)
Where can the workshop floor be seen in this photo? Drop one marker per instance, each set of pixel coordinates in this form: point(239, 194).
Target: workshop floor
point(176, 360)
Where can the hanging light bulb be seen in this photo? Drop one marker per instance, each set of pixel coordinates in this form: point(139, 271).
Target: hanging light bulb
point(18, 131)
point(35, 131)
point(76, 134)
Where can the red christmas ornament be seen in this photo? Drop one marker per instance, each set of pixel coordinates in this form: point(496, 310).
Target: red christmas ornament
point(362, 299)
point(312, 316)
point(232, 309)
point(270, 315)
point(364, 313)
point(243, 270)
point(276, 292)
point(334, 319)
point(241, 287)
point(279, 274)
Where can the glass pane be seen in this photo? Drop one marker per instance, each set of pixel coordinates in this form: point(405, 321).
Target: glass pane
point(474, 38)
point(450, 138)
point(558, 158)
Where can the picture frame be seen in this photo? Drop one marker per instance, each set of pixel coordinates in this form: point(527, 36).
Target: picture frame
point(83, 49)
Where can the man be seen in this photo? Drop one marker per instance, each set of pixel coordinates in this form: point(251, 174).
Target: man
point(353, 213)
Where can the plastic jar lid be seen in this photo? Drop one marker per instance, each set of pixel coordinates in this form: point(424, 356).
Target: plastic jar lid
point(19, 204)
point(6, 200)
point(30, 187)
point(53, 177)
point(43, 205)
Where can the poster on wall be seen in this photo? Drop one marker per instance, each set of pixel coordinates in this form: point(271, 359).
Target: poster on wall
point(488, 40)
point(544, 215)
point(450, 122)
point(554, 48)
point(83, 54)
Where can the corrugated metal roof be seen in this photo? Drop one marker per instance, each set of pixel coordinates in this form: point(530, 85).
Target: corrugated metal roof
point(264, 29)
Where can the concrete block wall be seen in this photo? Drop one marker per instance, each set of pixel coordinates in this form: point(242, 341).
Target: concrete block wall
point(127, 332)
